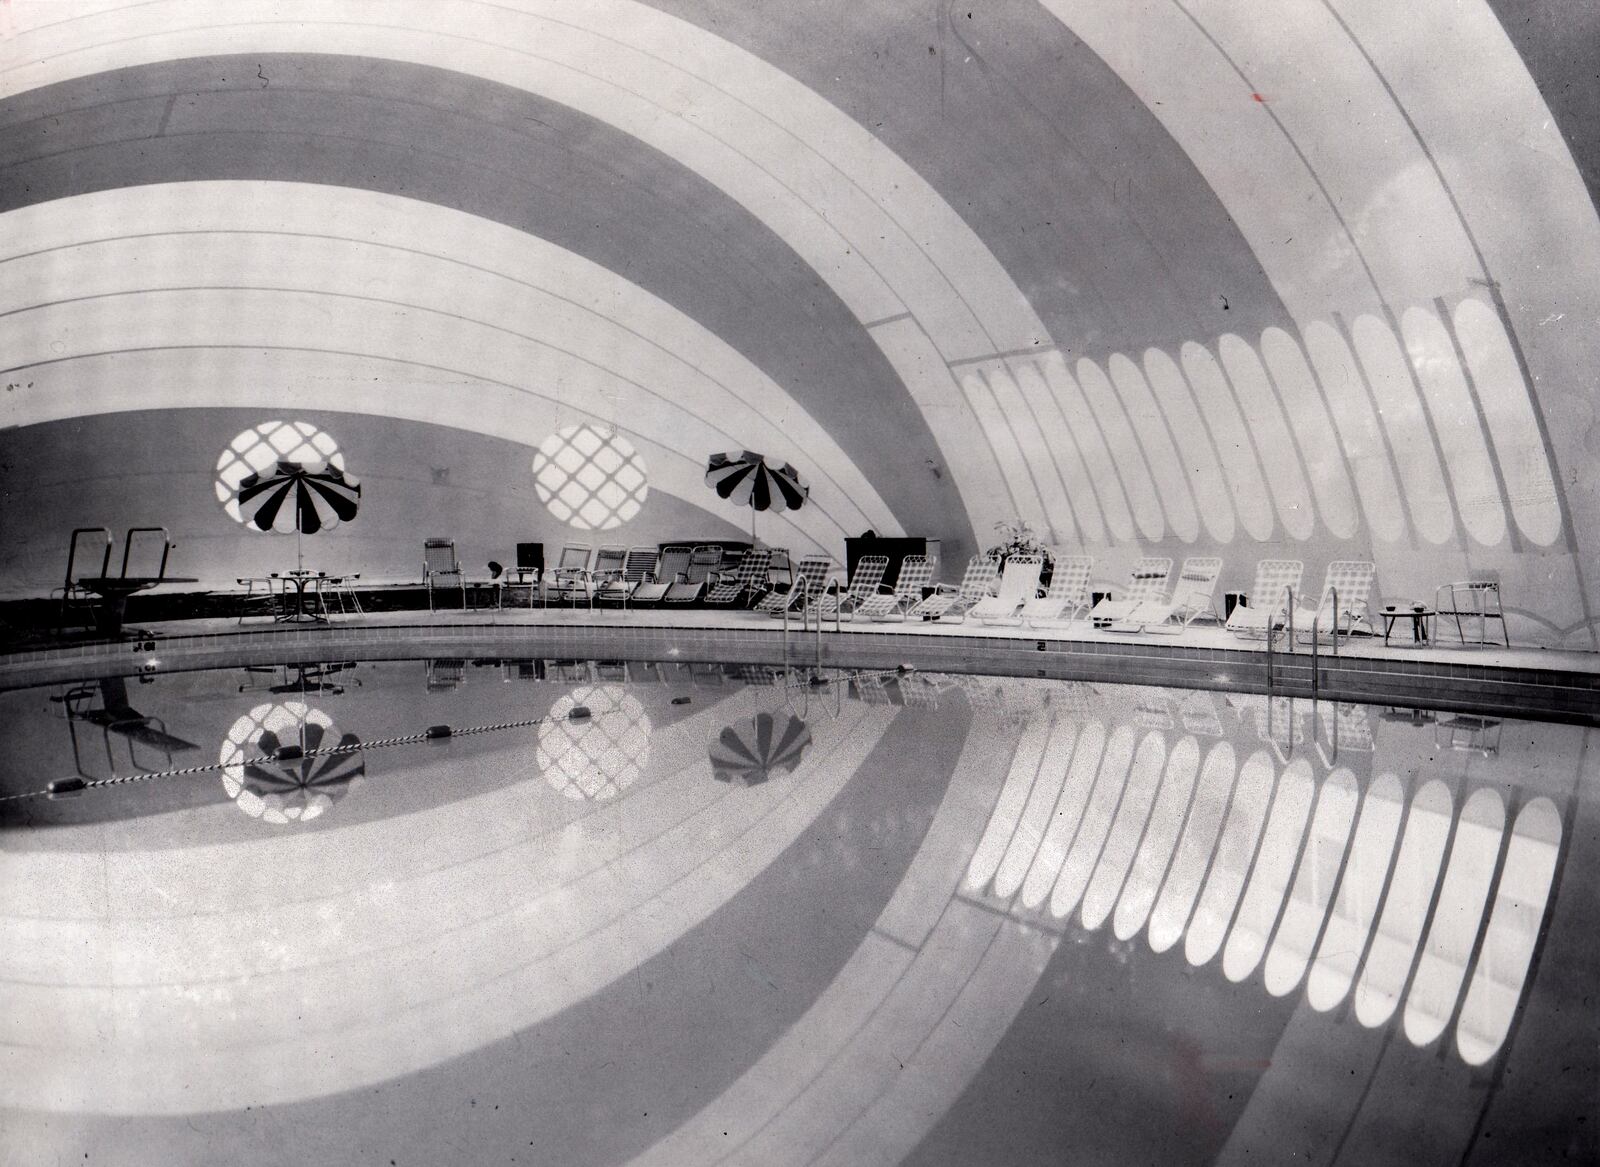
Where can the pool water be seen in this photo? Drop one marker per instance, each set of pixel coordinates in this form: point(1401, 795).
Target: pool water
point(690, 913)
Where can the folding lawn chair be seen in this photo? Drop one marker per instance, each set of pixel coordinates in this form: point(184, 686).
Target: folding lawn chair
point(1147, 581)
point(977, 582)
point(746, 583)
point(864, 583)
point(811, 577)
point(703, 561)
point(1192, 597)
point(1270, 594)
point(673, 564)
point(1019, 583)
point(916, 573)
point(1067, 595)
point(637, 567)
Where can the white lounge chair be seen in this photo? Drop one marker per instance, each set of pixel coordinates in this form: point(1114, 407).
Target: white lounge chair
point(916, 573)
point(1067, 595)
point(864, 584)
point(1193, 596)
point(1147, 581)
point(748, 580)
point(1269, 599)
point(976, 583)
point(1351, 580)
point(811, 576)
point(1019, 583)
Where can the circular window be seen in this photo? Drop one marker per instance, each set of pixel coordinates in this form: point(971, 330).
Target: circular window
point(590, 479)
point(255, 451)
point(600, 756)
point(294, 790)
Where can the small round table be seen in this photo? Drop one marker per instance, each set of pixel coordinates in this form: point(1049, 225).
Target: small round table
point(302, 580)
point(1419, 617)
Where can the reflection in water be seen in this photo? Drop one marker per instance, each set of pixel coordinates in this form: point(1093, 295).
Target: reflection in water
point(599, 756)
point(754, 750)
point(928, 955)
point(115, 715)
point(1324, 886)
point(289, 790)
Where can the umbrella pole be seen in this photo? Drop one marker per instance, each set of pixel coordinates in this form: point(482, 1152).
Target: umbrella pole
point(299, 552)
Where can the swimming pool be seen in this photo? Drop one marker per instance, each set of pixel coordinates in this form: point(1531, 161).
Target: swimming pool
point(690, 913)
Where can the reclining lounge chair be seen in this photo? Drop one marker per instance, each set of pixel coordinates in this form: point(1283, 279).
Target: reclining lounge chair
point(1269, 599)
point(1019, 583)
point(1147, 581)
point(977, 582)
point(1067, 595)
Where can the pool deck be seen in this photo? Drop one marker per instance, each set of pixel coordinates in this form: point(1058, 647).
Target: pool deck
point(1531, 682)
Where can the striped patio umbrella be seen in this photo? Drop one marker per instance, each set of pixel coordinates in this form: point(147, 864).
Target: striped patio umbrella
point(746, 478)
point(299, 496)
point(753, 751)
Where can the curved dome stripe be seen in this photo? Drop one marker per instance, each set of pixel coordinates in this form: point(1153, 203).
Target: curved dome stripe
point(232, 235)
point(863, 219)
point(1381, 186)
point(582, 361)
point(252, 375)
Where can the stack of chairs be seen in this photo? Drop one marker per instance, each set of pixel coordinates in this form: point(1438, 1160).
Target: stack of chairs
point(672, 565)
point(703, 562)
point(638, 566)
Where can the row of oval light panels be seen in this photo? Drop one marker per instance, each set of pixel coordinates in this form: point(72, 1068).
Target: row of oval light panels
point(1266, 438)
point(1089, 822)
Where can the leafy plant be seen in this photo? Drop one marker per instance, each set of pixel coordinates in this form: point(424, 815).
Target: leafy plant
point(1017, 538)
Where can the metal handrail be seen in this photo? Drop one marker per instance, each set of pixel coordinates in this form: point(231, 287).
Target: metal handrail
point(1316, 642)
point(1288, 592)
point(166, 548)
point(72, 552)
point(803, 587)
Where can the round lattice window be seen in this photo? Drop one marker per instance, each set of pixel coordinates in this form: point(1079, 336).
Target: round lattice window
point(256, 450)
point(601, 755)
point(589, 478)
point(293, 790)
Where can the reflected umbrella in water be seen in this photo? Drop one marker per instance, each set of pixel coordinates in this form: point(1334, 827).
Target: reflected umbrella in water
point(290, 789)
point(753, 751)
point(596, 756)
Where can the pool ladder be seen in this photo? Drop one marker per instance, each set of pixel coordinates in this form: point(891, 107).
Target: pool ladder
point(1316, 641)
point(805, 616)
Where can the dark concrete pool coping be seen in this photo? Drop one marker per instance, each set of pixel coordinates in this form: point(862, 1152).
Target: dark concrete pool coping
point(1521, 682)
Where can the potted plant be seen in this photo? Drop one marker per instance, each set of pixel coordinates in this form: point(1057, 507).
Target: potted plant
point(1017, 538)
